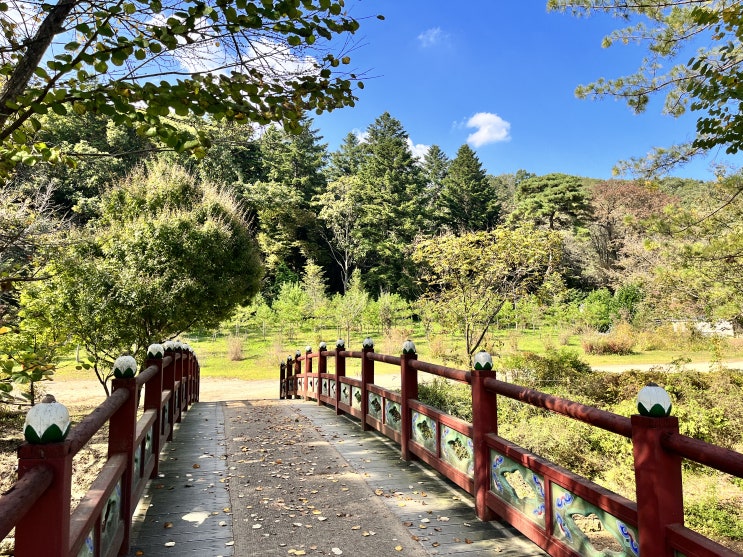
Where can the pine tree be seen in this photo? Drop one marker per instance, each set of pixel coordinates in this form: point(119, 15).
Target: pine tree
point(468, 200)
point(391, 215)
point(435, 168)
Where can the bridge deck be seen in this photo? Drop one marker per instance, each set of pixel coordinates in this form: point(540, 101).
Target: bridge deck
point(291, 478)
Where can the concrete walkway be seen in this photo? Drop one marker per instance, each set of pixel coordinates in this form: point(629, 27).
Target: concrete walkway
point(270, 478)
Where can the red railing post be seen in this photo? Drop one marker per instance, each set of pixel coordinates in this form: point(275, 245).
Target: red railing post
point(409, 390)
point(322, 368)
point(658, 483)
point(178, 380)
point(282, 380)
point(290, 386)
point(367, 377)
point(122, 432)
point(484, 421)
point(307, 371)
point(45, 528)
point(340, 371)
point(168, 374)
point(153, 392)
point(297, 373)
point(187, 375)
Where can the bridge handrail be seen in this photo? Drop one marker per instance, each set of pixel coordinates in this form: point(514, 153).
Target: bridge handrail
point(39, 501)
point(652, 525)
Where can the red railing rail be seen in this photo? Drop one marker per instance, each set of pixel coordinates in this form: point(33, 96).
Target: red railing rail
point(38, 504)
point(652, 525)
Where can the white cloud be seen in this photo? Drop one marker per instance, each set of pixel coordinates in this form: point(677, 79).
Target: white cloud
point(419, 150)
point(431, 37)
point(491, 128)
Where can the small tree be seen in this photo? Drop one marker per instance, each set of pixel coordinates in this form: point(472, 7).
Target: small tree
point(468, 278)
point(350, 306)
point(290, 308)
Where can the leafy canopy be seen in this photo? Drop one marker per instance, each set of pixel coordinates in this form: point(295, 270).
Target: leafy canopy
point(694, 56)
point(142, 62)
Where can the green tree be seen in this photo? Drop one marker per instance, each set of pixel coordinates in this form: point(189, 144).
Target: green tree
point(468, 278)
point(435, 167)
point(339, 207)
point(552, 201)
point(166, 255)
point(313, 284)
point(288, 229)
point(467, 202)
point(347, 160)
point(705, 82)
point(349, 307)
point(138, 63)
point(391, 210)
point(290, 307)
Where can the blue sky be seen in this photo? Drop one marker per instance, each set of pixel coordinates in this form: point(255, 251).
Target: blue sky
point(500, 75)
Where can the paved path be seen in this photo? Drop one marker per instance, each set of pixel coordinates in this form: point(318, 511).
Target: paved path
point(270, 478)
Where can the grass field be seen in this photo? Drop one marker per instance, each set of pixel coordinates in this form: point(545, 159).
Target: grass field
point(249, 356)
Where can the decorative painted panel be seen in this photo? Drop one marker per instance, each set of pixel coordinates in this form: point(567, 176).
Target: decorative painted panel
point(518, 486)
point(375, 406)
point(392, 415)
point(424, 431)
point(111, 518)
point(567, 507)
point(332, 391)
point(300, 383)
point(346, 394)
point(148, 443)
point(456, 449)
point(356, 397)
point(324, 390)
point(311, 384)
point(88, 548)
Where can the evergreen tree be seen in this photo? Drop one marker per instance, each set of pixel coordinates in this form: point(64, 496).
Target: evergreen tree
point(553, 201)
point(468, 202)
point(347, 160)
point(288, 229)
point(391, 215)
point(435, 167)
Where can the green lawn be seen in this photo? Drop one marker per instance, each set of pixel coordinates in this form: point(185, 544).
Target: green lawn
point(260, 357)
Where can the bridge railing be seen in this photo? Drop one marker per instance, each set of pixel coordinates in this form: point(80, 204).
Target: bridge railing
point(38, 504)
point(541, 499)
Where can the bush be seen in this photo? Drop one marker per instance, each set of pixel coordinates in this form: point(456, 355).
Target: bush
point(619, 341)
point(561, 367)
point(452, 398)
point(715, 518)
point(234, 349)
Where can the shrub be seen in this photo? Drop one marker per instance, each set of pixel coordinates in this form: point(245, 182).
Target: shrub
point(557, 367)
point(619, 341)
point(452, 398)
point(715, 517)
point(234, 348)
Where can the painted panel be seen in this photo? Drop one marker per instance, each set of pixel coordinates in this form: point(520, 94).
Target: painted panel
point(424, 431)
point(325, 390)
point(518, 486)
point(332, 391)
point(111, 518)
point(392, 415)
point(375, 406)
point(356, 397)
point(88, 548)
point(346, 394)
point(456, 450)
point(566, 507)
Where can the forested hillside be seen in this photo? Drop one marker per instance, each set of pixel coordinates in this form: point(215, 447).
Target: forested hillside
point(270, 223)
